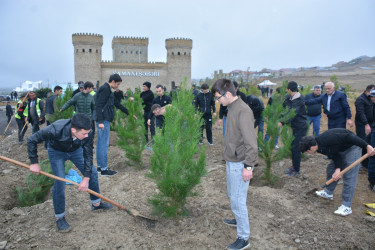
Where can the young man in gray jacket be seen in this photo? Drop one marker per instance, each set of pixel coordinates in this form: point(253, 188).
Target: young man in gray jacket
point(240, 154)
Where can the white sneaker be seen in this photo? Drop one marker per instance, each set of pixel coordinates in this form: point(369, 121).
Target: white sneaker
point(324, 194)
point(343, 210)
point(276, 147)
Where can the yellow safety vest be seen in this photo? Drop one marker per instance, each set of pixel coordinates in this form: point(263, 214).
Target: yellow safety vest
point(38, 112)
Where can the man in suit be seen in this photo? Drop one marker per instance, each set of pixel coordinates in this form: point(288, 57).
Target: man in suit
point(335, 106)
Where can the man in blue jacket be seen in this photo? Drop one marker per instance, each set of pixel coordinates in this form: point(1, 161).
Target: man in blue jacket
point(68, 139)
point(335, 106)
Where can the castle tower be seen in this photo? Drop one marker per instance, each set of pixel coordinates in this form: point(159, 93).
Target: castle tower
point(87, 57)
point(130, 49)
point(179, 59)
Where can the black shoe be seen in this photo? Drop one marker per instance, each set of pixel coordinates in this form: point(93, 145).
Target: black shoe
point(232, 223)
point(62, 225)
point(102, 205)
point(108, 172)
point(239, 244)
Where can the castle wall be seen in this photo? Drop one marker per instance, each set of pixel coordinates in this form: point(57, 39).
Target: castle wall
point(130, 61)
point(130, 50)
point(179, 60)
point(134, 75)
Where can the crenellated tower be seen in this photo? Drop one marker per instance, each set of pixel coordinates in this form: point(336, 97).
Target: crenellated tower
point(179, 59)
point(130, 49)
point(87, 57)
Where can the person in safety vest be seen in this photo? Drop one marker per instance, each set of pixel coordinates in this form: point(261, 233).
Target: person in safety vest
point(34, 111)
point(20, 118)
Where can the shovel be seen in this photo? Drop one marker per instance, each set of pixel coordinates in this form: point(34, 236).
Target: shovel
point(341, 174)
point(132, 212)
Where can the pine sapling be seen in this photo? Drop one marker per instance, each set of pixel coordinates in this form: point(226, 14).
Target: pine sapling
point(132, 131)
point(178, 163)
point(272, 115)
point(60, 101)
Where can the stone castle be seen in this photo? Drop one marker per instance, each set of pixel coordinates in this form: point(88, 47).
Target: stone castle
point(130, 61)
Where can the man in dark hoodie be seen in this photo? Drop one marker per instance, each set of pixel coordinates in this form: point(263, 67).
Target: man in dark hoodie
point(147, 96)
point(162, 100)
point(298, 123)
point(204, 102)
point(104, 114)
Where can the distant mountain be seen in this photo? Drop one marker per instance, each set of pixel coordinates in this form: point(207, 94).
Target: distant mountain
point(359, 62)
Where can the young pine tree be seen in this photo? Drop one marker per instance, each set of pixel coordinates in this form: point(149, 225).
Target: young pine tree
point(38, 186)
point(272, 115)
point(60, 101)
point(178, 163)
point(132, 131)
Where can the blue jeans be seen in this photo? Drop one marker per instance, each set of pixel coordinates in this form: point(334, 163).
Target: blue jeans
point(102, 144)
point(350, 178)
point(315, 120)
point(237, 193)
point(57, 159)
point(371, 163)
point(224, 125)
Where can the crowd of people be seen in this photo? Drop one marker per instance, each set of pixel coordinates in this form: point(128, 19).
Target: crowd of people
point(239, 115)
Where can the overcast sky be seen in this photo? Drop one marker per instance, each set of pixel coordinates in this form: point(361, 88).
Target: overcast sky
point(36, 35)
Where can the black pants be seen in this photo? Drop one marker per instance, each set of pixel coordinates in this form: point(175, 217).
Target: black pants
point(9, 118)
point(296, 153)
point(360, 131)
point(21, 123)
point(207, 117)
point(145, 118)
point(152, 126)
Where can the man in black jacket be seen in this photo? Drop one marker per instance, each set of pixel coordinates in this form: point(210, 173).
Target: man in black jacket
point(298, 124)
point(162, 100)
point(147, 96)
point(314, 112)
point(69, 139)
point(257, 106)
point(104, 114)
point(343, 147)
point(364, 117)
point(204, 102)
point(9, 111)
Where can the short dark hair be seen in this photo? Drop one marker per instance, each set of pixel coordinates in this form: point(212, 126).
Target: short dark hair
point(88, 85)
point(204, 86)
point(223, 86)
point(306, 143)
point(155, 106)
point(115, 77)
point(57, 88)
point(159, 86)
point(81, 121)
point(292, 86)
point(370, 87)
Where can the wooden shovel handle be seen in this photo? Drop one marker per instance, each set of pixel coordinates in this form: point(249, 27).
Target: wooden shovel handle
point(349, 167)
point(64, 180)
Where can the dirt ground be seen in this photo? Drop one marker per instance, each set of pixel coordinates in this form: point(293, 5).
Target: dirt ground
point(280, 218)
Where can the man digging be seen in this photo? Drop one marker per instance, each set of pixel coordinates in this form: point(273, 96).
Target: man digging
point(68, 139)
point(343, 147)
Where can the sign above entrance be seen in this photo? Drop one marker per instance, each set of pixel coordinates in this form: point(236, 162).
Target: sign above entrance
point(138, 74)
